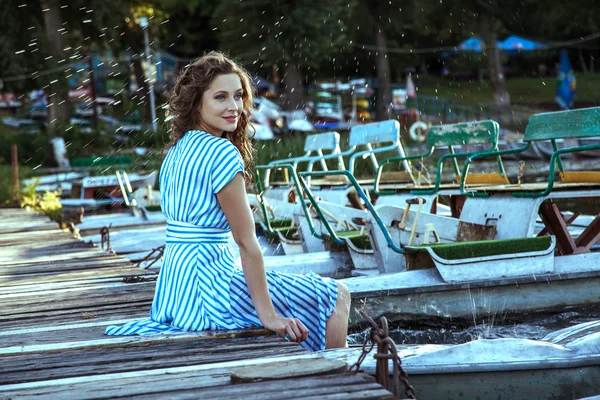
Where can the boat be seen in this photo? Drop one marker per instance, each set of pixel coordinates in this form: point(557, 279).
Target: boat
point(92, 192)
point(62, 182)
point(563, 365)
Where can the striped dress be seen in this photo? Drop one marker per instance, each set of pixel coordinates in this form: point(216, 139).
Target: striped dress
point(201, 286)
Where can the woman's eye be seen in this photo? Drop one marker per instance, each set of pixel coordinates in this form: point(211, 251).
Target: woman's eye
point(220, 97)
point(238, 96)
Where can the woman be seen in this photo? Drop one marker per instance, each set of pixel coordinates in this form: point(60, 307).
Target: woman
point(204, 199)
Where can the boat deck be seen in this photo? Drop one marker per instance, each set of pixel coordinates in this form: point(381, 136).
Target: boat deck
point(58, 294)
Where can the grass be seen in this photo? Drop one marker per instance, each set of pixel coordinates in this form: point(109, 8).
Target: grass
point(525, 91)
point(6, 191)
point(487, 248)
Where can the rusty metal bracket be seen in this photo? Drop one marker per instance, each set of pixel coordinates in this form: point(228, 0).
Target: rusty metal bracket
point(105, 237)
point(159, 250)
point(386, 351)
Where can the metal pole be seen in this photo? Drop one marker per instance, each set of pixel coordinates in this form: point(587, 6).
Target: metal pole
point(15, 172)
point(144, 25)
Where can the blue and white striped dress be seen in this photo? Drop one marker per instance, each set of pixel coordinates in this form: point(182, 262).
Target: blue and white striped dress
point(200, 285)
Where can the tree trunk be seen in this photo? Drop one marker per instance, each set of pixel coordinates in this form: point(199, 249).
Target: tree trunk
point(384, 79)
point(582, 61)
point(294, 87)
point(488, 33)
point(59, 110)
point(136, 47)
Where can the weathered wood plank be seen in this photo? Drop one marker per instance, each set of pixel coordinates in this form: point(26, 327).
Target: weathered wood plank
point(74, 299)
point(322, 387)
point(36, 320)
point(94, 330)
point(209, 383)
point(136, 382)
point(103, 341)
point(80, 254)
point(101, 360)
point(287, 370)
point(95, 261)
point(49, 280)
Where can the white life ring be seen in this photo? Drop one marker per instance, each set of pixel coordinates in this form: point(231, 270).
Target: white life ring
point(413, 131)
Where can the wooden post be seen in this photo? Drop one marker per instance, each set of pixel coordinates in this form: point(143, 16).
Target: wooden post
point(15, 173)
point(93, 93)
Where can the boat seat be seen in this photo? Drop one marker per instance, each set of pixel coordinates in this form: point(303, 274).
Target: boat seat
point(390, 177)
point(418, 257)
point(583, 177)
point(484, 248)
point(359, 240)
point(483, 133)
point(549, 127)
point(536, 187)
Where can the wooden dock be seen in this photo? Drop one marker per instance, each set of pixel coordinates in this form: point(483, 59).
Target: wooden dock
point(58, 294)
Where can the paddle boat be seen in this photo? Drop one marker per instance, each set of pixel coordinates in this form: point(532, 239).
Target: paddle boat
point(312, 225)
point(495, 260)
point(520, 269)
point(563, 365)
point(92, 192)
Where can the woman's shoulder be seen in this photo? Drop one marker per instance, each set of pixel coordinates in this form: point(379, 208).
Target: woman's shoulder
point(207, 143)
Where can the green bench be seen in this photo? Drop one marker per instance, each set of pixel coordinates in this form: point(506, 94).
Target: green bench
point(572, 124)
point(448, 136)
point(105, 161)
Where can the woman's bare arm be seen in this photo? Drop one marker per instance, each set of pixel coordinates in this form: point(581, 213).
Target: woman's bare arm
point(234, 203)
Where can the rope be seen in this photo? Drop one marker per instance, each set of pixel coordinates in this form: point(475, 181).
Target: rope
point(439, 49)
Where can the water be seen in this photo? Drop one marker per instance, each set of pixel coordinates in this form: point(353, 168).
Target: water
point(438, 331)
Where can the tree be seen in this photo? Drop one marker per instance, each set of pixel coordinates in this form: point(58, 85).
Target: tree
point(298, 35)
point(482, 17)
point(496, 71)
point(59, 107)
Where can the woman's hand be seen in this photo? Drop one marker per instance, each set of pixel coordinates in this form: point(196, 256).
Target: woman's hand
point(293, 327)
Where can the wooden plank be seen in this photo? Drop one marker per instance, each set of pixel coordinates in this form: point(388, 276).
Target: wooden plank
point(145, 375)
point(95, 261)
point(32, 282)
point(26, 286)
point(81, 255)
point(287, 369)
point(213, 385)
point(75, 298)
point(556, 225)
point(589, 236)
point(308, 387)
point(94, 330)
point(102, 360)
point(36, 320)
point(105, 342)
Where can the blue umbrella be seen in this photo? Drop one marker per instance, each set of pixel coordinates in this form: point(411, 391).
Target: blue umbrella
point(566, 84)
point(472, 44)
point(516, 43)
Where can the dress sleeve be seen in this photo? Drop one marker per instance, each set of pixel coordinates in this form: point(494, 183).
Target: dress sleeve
point(226, 164)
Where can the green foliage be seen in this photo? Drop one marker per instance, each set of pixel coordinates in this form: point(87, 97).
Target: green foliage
point(264, 31)
point(47, 203)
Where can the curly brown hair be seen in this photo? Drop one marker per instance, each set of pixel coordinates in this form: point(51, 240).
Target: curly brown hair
point(185, 98)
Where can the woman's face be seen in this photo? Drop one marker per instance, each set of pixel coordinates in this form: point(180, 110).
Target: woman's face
point(221, 105)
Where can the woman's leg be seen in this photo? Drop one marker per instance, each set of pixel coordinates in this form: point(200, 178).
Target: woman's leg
point(337, 325)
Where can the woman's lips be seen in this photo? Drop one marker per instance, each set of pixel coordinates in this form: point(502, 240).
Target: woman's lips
point(230, 119)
